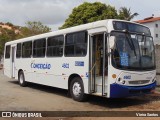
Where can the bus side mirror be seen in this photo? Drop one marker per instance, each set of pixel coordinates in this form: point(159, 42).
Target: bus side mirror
point(111, 42)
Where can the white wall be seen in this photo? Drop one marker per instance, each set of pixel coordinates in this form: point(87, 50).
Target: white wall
point(157, 47)
point(154, 31)
point(157, 31)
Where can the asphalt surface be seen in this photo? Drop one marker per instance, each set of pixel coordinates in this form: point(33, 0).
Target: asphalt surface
point(36, 97)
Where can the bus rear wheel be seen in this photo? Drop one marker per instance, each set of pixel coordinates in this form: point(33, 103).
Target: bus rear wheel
point(77, 89)
point(21, 79)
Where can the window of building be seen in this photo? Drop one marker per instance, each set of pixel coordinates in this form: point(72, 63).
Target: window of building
point(7, 52)
point(27, 49)
point(39, 48)
point(156, 35)
point(55, 46)
point(19, 50)
point(156, 25)
point(76, 44)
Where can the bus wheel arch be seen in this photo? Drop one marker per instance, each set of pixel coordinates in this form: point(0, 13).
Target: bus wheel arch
point(76, 88)
point(21, 78)
point(19, 72)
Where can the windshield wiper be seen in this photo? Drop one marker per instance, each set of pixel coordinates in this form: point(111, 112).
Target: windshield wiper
point(131, 44)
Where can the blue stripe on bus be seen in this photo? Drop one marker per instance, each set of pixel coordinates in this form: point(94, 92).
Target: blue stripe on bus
point(119, 91)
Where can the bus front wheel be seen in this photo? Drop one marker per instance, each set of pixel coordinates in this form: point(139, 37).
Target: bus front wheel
point(77, 89)
point(21, 79)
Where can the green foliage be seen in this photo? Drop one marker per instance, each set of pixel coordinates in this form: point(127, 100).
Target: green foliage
point(9, 24)
point(3, 40)
point(84, 13)
point(36, 28)
point(125, 14)
point(31, 28)
point(5, 36)
point(89, 12)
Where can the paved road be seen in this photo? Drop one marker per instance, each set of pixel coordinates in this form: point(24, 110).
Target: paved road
point(43, 98)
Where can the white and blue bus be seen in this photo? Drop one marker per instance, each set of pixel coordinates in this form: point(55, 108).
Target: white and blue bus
point(110, 58)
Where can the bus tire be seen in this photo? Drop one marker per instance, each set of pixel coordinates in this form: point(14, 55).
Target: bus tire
point(77, 89)
point(21, 79)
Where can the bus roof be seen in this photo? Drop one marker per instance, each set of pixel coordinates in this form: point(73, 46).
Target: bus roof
point(97, 24)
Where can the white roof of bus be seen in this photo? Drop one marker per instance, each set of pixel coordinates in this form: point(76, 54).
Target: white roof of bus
point(101, 23)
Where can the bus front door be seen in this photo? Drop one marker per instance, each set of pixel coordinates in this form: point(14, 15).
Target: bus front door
point(98, 64)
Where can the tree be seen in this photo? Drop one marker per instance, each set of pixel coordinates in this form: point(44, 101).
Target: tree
point(5, 36)
point(90, 12)
point(33, 28)
point(125, 13)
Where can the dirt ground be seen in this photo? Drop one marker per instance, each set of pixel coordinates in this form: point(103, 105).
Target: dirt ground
point(43, 98)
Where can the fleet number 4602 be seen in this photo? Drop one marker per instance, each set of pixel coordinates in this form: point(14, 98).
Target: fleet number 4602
point(65, 65)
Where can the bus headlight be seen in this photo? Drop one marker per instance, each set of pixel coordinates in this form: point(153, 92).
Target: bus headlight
point(121, 81)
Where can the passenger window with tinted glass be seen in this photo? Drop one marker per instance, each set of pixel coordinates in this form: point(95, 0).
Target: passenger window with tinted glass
point(7, 54)
point(27, 49)
point(55, 46)
point(76, 44)
point(19, 50)
point(39, 47)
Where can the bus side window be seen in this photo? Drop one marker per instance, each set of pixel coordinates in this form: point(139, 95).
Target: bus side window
point(76, 44)
point(39, 47)
point(55, 46)
point(27, 49)
point(19, 50)
point(7, 51)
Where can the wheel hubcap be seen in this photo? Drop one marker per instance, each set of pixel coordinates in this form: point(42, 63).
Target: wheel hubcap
point(76, 89)
point(21, 79)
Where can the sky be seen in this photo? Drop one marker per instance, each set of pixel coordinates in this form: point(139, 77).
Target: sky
point(53, 13)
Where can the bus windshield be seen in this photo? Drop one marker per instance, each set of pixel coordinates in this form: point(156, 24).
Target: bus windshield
point(133, 51)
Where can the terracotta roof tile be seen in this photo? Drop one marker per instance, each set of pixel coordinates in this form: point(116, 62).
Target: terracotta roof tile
point(151, 19)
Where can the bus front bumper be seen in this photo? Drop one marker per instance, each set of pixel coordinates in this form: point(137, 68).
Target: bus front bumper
point(119, 91)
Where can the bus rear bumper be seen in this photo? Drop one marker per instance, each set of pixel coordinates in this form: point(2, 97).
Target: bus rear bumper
point(119, 91)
